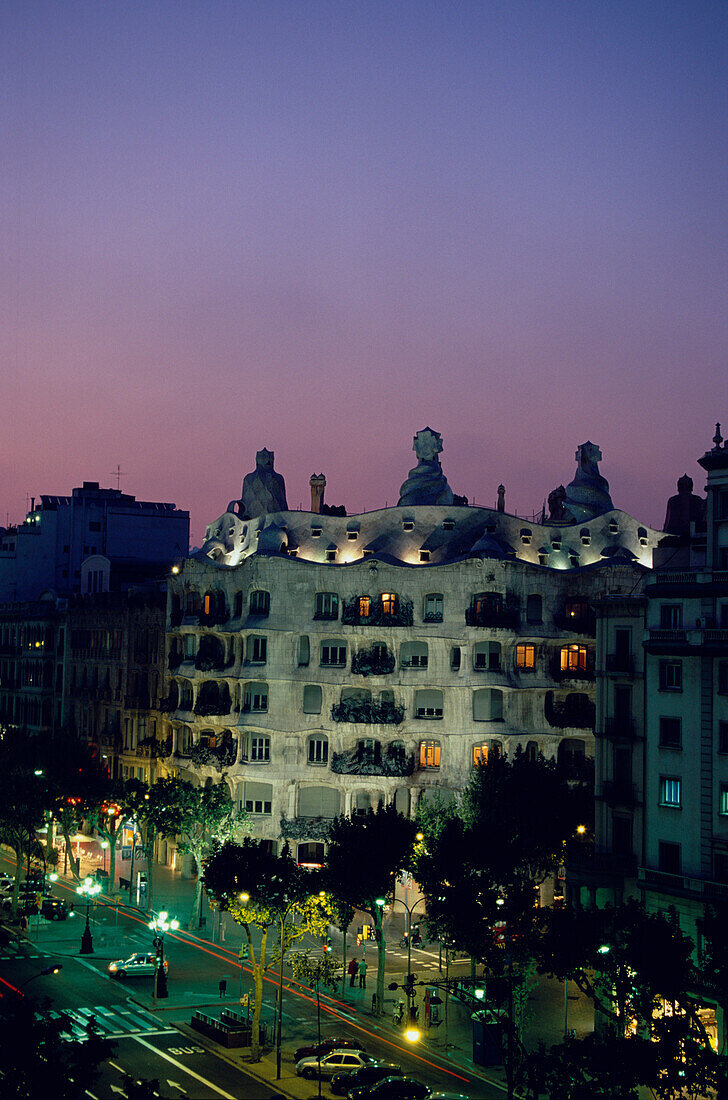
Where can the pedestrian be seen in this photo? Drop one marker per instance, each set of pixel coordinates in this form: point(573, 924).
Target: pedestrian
point(363, 974)
point(353, 970)
point(223, 987)
point(24, 927)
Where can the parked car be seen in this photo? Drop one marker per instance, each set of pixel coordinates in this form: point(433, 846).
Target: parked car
point(54, 909)
point(27, 902)
point(336, 1061)
point(325, 1047)
point(402, 1088)
point(343, 1083)
point(141, 965)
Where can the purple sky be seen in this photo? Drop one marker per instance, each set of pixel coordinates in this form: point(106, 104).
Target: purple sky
point(318, 227)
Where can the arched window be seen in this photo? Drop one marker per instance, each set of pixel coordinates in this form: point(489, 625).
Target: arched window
point(260, 603)
point(573, 658)
point(487, 656)
point(318, 749)
point(413, 655)
point(487, 705)
point(429, 754)
point(255, 697)
point(534, 608)
point(311, 854)
point(434, 604)
point(526, 657)
point(389, 603)
point(428, 703)
point(318, 802)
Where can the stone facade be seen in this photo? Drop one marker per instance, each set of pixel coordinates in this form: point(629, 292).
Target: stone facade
point(325, 664)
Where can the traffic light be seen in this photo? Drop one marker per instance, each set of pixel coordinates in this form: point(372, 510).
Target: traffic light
point(244, 952)
point(326, 947)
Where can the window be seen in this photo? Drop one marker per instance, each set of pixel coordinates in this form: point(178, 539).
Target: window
point(670, 733)
point(258, 649)
point(256, 697)
point(483, 748)
point(260, 750)
point(318, 802)
point(487, 705)
point(671, 616)
point(312, 699)
point(723, 737)
point(429, 754)
point(327, 605)
point(433, 607)
point(364, 604)
point(389, 603)
point(238, 605)
point(333, 653)
point(311, 854)
point(260, 603)
point(414, 655)
point(723, 799)
point(669, 857)
point(573, 658)
point(723, 678)
point(576, 609)
point(318, 750)
point(369, 751)
point(670, 675)
point(487, 655)
point(304, 651)
point(424, 555)
point(455, 658)
point(189, 642)
point(534, 609)
point(525, 657)
point(258, 797)
point(670, 791)
point(428, 703)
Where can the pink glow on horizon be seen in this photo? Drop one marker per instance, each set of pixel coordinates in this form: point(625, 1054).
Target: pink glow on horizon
point(319, 228)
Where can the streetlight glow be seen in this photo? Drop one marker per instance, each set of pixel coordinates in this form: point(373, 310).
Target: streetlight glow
point(412, 1034)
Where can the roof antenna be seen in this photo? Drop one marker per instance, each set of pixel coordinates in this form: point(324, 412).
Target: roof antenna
point(118, 473)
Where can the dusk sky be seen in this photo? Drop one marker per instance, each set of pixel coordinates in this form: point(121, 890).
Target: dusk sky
point(320, 226)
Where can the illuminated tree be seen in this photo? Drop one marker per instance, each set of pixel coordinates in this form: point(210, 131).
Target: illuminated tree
point(265, 892)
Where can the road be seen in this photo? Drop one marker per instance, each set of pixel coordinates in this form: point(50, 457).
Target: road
point(149, 1044)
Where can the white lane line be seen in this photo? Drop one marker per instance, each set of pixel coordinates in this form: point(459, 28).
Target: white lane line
point(189, 1072)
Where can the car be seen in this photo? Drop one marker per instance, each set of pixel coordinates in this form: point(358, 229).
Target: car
point(402, 1088)
point(54, 909)
point(27, 902)
point(336, 1061)
point(343, 1083)
point(141, 965)
point(325, 1046)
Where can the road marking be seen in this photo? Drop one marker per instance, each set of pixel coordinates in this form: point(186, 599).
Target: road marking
point(114, 1066)
point(189, 1072)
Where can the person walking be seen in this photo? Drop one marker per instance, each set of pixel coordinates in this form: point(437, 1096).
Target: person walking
point(223, 987)
point(353, 970)
point(363, 974)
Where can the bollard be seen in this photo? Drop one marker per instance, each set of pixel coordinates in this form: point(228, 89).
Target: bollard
point(374, 1003)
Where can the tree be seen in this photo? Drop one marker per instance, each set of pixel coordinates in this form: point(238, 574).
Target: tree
point(149, 808)
point(342, 915)
point(265, 891)
point(479, 867)
point(110, 817)
point(22, 797)
point(206, 816)
point(315, 972)
point(365, 854)
point(637, 967)
point(75, 783)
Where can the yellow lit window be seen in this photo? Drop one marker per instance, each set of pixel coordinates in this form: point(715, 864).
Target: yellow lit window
point(525, 656)
point(480, 753)
point(365, 605)
point(389, 603)
point(207, 605)
point(573, 658)
point(429, 754)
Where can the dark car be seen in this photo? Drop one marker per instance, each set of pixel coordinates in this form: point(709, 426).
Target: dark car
point(54, 909)
point(325, 1047)
point(343, 1083)
point(402, 1088)
point(27, 903)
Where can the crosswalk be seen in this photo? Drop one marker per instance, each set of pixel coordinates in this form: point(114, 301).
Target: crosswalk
point(111, 1023)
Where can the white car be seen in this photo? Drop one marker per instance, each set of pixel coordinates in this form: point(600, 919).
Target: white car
point(337, 1061)
point(141, 965)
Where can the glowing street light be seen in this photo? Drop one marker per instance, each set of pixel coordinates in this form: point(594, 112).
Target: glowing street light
point(159, 925)
point(88, 890)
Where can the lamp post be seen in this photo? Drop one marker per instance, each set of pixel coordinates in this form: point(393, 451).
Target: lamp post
point(159, 925)
point(410, 910)
point(88, 889)
point(42, 974)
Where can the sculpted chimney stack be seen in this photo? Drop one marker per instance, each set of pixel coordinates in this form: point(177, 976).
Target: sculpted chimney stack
point(318, 484)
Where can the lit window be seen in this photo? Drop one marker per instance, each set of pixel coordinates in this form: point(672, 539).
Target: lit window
point(365, 607)
point(573, 658)
point(389, 603)
point(723, 799)
point(481, 751)
point(525, 656)
point(670, 791)
point(429, 754)
point(576, 609)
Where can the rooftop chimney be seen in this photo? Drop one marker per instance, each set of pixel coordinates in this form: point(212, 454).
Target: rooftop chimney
point(318, 484)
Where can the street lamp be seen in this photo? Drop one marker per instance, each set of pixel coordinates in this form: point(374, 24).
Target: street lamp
point(410, 910)
point(42, 974)
point(88, 889)
point(159, 926)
